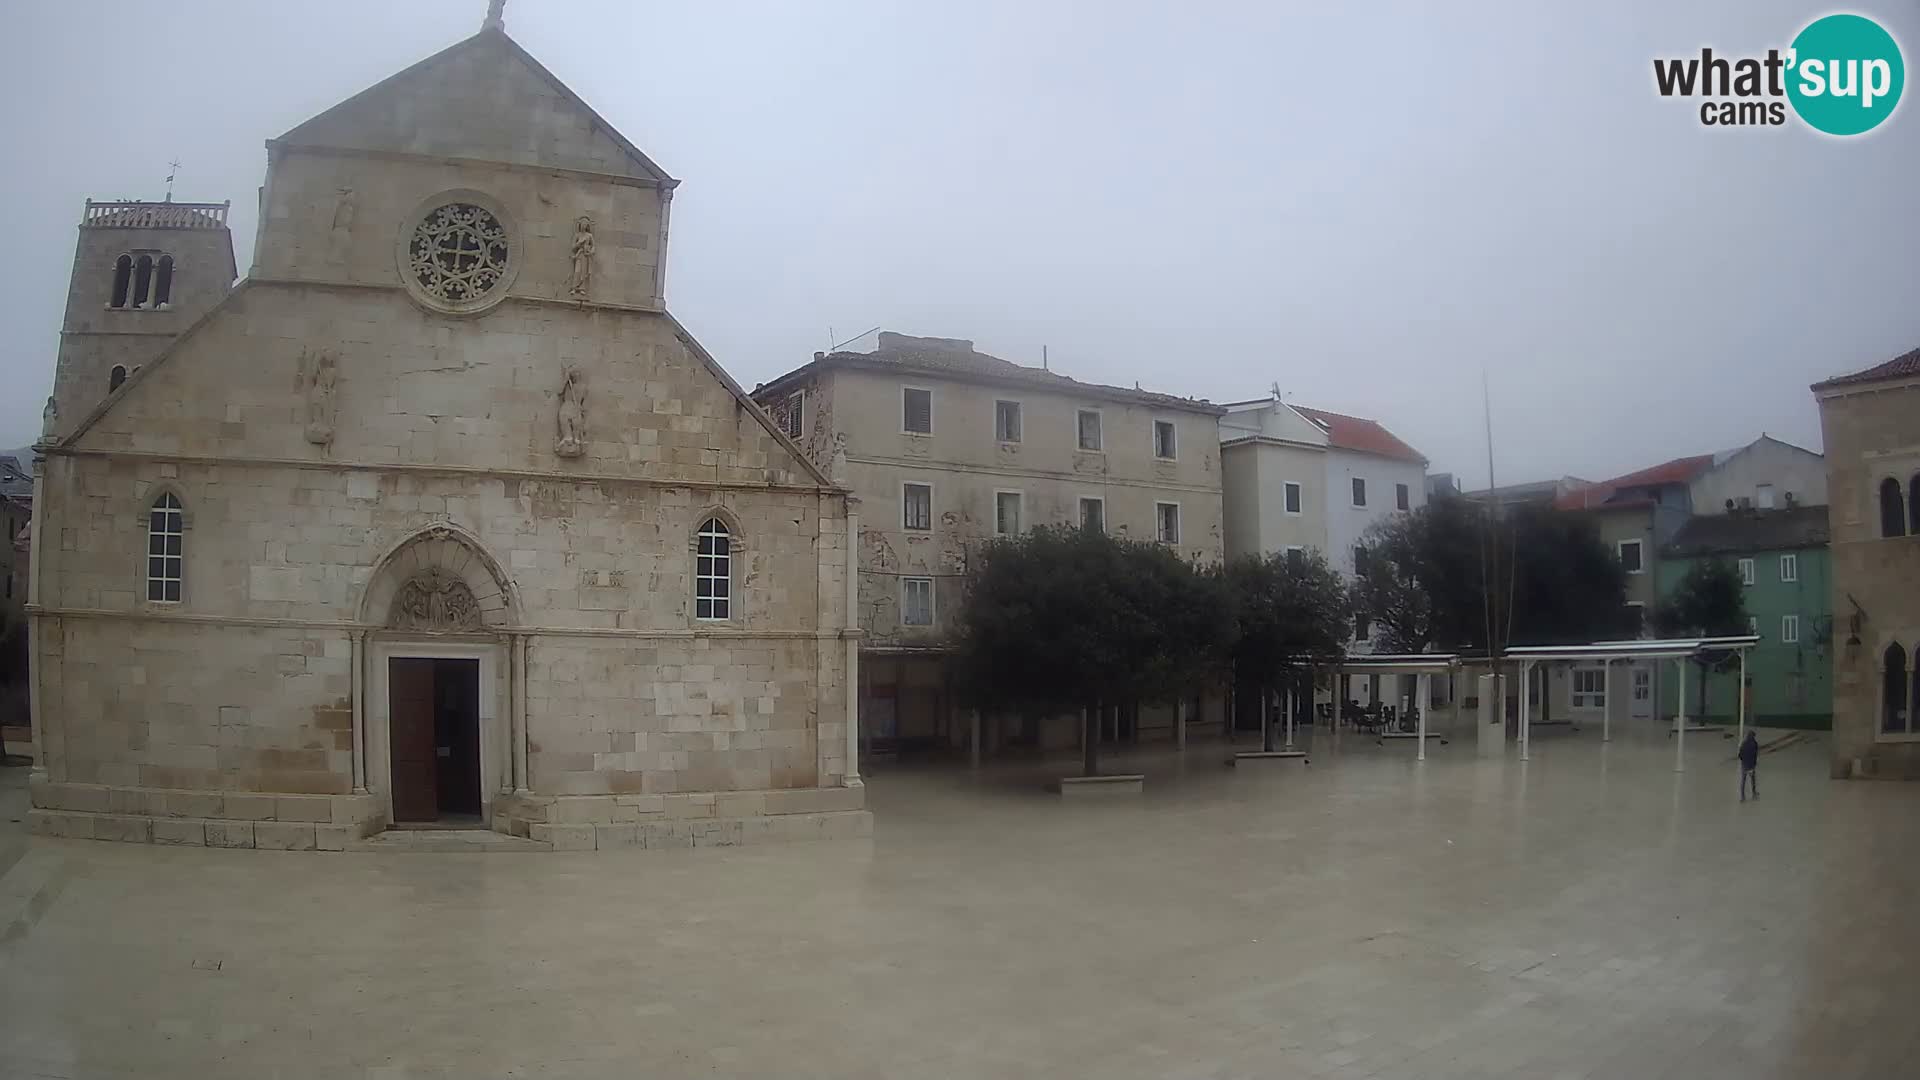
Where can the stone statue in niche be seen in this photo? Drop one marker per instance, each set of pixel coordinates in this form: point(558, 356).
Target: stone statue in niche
point(837, 467)
point(435, 602)
point(49, 420)
point(319, 370)
point(341, 231)
point(572, 440)
point(581, 280)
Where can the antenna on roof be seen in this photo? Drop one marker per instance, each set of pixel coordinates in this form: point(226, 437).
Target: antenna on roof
point(1275, 387)
point(1043, 359)
point(849, 341)
point(172, 168)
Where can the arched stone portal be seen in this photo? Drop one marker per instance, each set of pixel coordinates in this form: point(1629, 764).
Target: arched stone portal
point(440, 671)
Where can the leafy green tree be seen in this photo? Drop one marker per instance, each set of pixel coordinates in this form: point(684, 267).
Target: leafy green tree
point(1290, 612)
point(1709, 600)
point(1063, 619)
point(1391, 585)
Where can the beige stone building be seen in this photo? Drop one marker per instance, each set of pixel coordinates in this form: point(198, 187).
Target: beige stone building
point(438, 517)
point(947, 447)
point(1870, 422)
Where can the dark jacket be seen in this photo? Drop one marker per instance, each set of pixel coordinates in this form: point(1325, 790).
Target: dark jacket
point(1749, 751)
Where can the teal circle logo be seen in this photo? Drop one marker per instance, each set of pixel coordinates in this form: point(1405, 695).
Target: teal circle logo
point(1845, 74)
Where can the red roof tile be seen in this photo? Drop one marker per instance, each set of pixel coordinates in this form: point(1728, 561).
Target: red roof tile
point(1906, 365)
point(1678, 471)
point(1358, 433)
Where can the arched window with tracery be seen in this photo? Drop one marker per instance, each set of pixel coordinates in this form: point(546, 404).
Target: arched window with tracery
point(122, 280)
point(1895, 719)
point(1893, 516)
point(166, 536)
point(713, 571)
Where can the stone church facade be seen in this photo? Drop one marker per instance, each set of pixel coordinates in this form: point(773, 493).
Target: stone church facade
point(438, 516)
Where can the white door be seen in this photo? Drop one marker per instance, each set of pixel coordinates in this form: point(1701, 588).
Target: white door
point(1642, 691)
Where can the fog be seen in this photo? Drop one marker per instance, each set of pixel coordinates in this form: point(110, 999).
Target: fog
point(1373, 206)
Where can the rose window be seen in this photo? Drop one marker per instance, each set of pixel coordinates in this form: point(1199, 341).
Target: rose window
point(458, 253)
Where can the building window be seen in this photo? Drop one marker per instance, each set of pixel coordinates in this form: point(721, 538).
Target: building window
point(1893, 515)
point(713, 571)
point(1291, 494)
point(1402, 498)
point(793, 422)
point(122, 281)
point(1167, 522)
point(1913, 504)
point(1789, 568)
point(1763, 496)
point(142, 280)
point(1006, 513)
point(916, 502)
point(1296, 556)
point(1361, 627)
point(166, 532)
point(916, 411)
point(1589, 688)
point(1893, 691)
point(1006, 421)
point(1359, 491)
point(115, 377)
point(1163, 440)
point(1630, 556)
point(1790, 629)
point(1636, 617)
point(1746, 571)
point(1089, 425)
point(1753, 625)
point(1093, 514)
point(916, 601)
point(1359, 559)
point(163, 283)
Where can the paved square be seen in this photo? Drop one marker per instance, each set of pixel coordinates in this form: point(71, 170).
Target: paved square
point(1589, 914)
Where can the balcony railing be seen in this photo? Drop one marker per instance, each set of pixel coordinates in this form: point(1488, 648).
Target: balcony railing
point(156, 215)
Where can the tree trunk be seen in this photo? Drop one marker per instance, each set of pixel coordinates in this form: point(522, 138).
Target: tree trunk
point(1700, 714)
point(1090, 742)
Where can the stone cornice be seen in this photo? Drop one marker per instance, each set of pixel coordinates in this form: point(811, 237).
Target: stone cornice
point(277, 147)
point(396, 287)
point(381, 632)
point(464, 471)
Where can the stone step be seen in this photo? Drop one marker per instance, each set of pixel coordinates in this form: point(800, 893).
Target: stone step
point(465, 841)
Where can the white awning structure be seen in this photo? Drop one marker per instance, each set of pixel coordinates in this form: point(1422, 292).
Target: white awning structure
point(1605, 653)
point(1423, 665)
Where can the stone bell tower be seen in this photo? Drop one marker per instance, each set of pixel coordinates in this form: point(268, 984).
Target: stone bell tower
point(143, 272)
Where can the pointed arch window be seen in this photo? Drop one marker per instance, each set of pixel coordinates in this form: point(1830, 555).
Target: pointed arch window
point(122, 280)
point(166, 535)
point(1913, 506)
point(713, 571)
point(1895, 717)
point(1893, 516)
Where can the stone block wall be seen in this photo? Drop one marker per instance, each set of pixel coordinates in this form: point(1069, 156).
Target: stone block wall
point(1870, 433)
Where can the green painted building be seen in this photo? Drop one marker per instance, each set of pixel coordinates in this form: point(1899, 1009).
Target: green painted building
point(1782, 558)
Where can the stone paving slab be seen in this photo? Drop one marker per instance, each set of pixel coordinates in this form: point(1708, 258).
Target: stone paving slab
point(1589, 914)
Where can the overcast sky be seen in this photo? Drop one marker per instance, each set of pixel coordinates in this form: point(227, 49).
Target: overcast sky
point(1368, 204)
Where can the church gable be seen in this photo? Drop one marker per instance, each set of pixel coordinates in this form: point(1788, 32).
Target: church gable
point(293, 373)
point(484, 98)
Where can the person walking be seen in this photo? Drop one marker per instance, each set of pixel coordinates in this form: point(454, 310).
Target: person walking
point(1749, 757)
